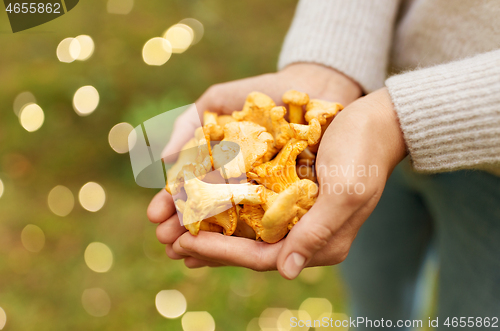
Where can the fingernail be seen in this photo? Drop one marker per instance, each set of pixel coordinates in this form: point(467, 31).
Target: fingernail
point(294, 264)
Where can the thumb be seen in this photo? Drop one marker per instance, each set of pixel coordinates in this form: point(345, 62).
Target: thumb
point(310, 234)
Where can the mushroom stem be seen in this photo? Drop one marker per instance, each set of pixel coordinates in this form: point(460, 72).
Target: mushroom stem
point(205, 200)
point(296, 114)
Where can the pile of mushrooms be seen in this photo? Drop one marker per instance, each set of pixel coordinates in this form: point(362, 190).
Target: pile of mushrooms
point(251, 174)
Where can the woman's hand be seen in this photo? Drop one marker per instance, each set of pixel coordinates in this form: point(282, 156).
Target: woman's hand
point(317, 81)
point(358, 152)
point(356, 157)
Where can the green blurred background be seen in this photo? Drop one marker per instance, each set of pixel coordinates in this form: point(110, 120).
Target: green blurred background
point(43, 291)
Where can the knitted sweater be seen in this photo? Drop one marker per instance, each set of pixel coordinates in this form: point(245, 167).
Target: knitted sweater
point(445, 57)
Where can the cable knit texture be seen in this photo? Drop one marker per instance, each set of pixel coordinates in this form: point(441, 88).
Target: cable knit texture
point(450, 113)
point(351, 36)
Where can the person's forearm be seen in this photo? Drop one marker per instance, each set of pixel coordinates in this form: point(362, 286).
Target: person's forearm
point(351, 36)
point(450, 113)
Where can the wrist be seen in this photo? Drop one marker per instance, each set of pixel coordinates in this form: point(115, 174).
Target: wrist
point(323, 82)
point(381, 124)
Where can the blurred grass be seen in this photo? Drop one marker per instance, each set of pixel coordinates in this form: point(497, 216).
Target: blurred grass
point(42, 291)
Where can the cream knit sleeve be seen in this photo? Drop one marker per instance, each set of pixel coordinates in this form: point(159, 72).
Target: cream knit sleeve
point(450, 113)
point(352, 36)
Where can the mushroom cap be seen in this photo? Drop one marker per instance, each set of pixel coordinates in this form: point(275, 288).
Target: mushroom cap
point(211, 126)
point(311, 132)
point(242, 228)
point(280, 172)
point(295, 98)
point(280, 130)
point(253, 142)
point(287, 209)
point(228, 220)
point(321, 110)
point(225, 221)
point(256, 109)
point(252, 216)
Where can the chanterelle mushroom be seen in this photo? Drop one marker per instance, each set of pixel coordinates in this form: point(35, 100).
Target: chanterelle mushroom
point(288, 209)
point(252, 216)
point(295, 100)
point(187, 155)
point(280, 172)
point(253, 142)
point(211, 126)
point(272, 221)
point(205, 225)
point(280, 130)
point(311, 132)
point(260, 142)
point(324, 112)
point(206, 200)
point(256, 109)
point(242, 228)
point(191, 159)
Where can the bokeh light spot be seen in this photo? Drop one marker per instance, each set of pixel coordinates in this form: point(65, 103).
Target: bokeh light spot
point(3, 318)
point(285, 317)
point(61, 201)
point(98, 257)
point(197, 28)
point(31, 117)
point(118, 137)
point(247, 286)
point(92, 196)
point(68, 50)
point(85, 100)
point(1, 188)
point(156, 51)
point(180, 37)
point(198, 321)
point(96, 302)
point(170, 303)
point(33, 238)
point(86, 47)
point(120, 7)
point(316, 308)
point(23, 99)
point(268, 319)
point(283, 321)
point(253, 325)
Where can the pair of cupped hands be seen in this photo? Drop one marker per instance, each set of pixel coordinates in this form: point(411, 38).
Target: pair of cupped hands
point(365, 135)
